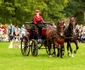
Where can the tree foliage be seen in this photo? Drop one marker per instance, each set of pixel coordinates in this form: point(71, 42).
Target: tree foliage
point(75, 8)
point(19, 11)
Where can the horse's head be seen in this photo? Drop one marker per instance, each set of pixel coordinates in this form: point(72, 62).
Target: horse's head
point(60, 28)
point(72, 24)
point(69, 31)
point(73, 21)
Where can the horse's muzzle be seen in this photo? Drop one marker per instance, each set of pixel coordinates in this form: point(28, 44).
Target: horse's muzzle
point(61, 34)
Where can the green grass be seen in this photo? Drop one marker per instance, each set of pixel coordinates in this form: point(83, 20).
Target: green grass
point(12, 59)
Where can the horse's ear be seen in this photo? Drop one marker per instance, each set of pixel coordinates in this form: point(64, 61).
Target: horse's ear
point(70, 19)
point(75, 19)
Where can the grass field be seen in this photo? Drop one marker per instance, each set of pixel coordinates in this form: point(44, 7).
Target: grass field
point(12, 59)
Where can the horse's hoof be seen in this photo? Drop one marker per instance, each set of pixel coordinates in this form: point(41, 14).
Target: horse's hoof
point(61, 57)
point(50, 56)
point(63, 54)
point(39, 48)
point(74, 51)
point(72, 56)
point(54, 55)
point(69, 54)
point(77, 47)
point(57, 55)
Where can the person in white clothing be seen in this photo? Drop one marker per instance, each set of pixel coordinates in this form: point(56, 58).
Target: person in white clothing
point(23, 30)
point(17, 33)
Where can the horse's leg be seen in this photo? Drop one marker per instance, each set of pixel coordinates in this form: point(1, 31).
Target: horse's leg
point(58, 52)
point(49, 47)
point(68, 49)
point(63, 49)
point(50, 50)
point(54, 52)
point(71, 50)
point(58, 48)
point(76, 43)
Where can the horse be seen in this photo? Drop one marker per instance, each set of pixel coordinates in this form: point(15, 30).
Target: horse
point(59, 39)
point(71, 35)
point(55, 36)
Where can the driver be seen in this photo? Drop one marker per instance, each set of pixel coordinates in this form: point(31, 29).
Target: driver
point(38, 21)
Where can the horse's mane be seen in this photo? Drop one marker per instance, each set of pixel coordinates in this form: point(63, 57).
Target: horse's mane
point(51, 31)
point(69, 30)
point(51, 27)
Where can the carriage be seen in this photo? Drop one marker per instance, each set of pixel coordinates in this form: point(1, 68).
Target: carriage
point(51, 38)
point(30, 42)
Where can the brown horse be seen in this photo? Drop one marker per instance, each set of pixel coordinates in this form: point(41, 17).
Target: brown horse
point(71, 36)
point(55, 36)
point(59, 40)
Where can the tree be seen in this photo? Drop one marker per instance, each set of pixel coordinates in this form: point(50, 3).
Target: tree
point(55, 9)
point(75, 8)
point(19, 11)
point(6, 11)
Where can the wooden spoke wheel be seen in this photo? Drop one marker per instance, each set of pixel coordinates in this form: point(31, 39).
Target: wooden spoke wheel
point(34, 47)
point(25, 47)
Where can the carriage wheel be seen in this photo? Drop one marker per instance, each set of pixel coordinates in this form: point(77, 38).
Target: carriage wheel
point(25, 47)
point(34, 48)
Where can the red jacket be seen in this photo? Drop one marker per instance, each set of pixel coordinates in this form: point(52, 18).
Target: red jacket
point(38, 19)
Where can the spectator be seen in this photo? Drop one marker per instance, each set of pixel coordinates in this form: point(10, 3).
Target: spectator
point(11, 33)
point(83, 35)
point(17, 33)
point(23, 30)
